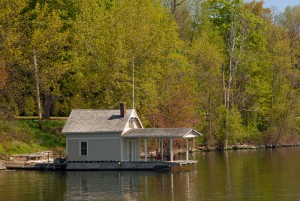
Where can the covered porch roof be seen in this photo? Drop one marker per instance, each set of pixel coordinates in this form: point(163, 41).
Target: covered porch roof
point(162, 132)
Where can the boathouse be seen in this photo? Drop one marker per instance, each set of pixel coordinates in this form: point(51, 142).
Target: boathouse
point(111, 139)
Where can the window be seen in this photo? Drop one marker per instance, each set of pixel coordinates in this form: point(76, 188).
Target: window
point(131, 123)
point(83, 148)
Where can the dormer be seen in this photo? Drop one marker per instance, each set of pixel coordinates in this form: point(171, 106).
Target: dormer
point(133, 122)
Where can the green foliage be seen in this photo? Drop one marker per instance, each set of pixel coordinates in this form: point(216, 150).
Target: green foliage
point(24, 136)
point(236, 129)
point(30, 106)
point(229, 123)
point(221, 66)
point(221, 122)
point(2, 150)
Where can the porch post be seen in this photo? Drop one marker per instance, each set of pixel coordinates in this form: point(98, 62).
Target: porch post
point(122, 149)
point(145, 148)
point(162, 149)
point(194, 143)
point(159, 146)
point(171, 149)
point(187, 148)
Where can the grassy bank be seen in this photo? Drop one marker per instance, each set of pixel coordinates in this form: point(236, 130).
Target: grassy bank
point(24, 136)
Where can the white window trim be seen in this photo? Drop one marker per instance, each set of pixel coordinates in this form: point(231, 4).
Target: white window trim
point(87, 147)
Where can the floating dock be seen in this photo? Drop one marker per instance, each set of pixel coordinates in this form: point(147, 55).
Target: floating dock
point(45, 161)
point(36, 166)
point(104, 165)
point(128, 165)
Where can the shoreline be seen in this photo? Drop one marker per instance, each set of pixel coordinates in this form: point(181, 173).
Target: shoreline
point(21, 165)
point(246, 147)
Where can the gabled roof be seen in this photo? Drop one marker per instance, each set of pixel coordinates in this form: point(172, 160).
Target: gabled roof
point(162, 132)
point(94, 121)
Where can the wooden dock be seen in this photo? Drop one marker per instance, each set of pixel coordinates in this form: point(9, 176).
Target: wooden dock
point(128, 165)
point(184, 162)
point(36, 166)
point(105, 165)
point(38, 161)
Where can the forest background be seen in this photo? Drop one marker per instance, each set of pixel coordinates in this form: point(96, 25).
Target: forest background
point(227, 68)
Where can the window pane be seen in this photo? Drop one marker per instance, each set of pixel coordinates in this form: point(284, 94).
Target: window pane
point(83, 145)
point(83, 148)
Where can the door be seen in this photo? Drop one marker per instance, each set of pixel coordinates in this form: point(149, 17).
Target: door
point(131, 150)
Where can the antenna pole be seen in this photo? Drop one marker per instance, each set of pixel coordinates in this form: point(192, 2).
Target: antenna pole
point(132, 82)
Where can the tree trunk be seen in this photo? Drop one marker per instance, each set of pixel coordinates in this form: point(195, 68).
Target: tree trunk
point(226, 102)
point(48, 105)
point(37, 85)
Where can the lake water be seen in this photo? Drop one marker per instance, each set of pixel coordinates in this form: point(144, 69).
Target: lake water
point(247, 175)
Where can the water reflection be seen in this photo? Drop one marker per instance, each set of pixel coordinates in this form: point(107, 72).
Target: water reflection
point(32, 185)
point(127, 185)
point(250, 175)
point(219, 176)
point(229, 194)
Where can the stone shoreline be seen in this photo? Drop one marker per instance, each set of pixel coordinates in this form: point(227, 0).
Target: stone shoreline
point(2, 167)
point(246, 146)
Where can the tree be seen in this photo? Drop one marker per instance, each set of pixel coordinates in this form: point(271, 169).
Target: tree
point(108, 39)
point(283, 97)
point(46, 34)
point(290, 20)
point(10, 37)
point(207, 60)
point(243, 36)
point(37, 84)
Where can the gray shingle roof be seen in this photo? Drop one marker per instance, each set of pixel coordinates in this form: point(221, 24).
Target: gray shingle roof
point(92, 121)
point(162, 132)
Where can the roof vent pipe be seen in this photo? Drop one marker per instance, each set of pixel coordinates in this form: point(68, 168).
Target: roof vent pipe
point(122, 109)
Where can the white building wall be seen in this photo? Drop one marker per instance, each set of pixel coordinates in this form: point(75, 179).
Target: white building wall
point(99, 148)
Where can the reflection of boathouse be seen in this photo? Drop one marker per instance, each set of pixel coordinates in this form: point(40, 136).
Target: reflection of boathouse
point(111, 139)
point(130, 185)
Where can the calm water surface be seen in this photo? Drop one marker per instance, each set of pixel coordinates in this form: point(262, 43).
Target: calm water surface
point(271, 174)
